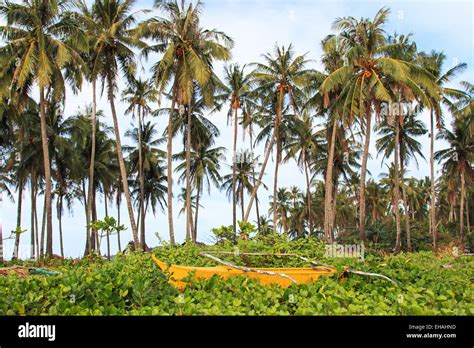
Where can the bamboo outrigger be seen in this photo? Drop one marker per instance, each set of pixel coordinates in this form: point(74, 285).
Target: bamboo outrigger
point(283, 277)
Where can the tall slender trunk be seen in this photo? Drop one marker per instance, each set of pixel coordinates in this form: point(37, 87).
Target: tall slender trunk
point(108, 233)
point(405, 201)
point(95, 234)
point(398, 242)
point(267, 156)
point(254, 179)
point(43, 228)
point(60, 220)
point(123, 170)
point(18, 219)
point(308, 193)
point(461, 208)
point(188, 175)
point(432, 177)
point(118, 224)
point(234, 165)
point(328, 184)
point(363, 173)
point(468, 225)
point(333, 212)
point(170, 168)
point(91, 165)
point(196, 217)
point(32, 216)
point(242, 201)
point(142, 180)
point(275, 185)
point(37, 239)
point(47, 175)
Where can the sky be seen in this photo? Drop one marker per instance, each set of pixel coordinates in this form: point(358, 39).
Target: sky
point(256, 26)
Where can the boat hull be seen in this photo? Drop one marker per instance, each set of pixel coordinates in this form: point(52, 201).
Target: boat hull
point(300, 275)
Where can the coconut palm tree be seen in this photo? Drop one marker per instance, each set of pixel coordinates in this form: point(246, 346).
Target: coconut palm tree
point(116, 40)
point(304, 146)
point(144, 155)
point(235, 89)
point(434, 62)
point(43, 39)
point(458, 159)
point(366, 79)
point(205, 166)
point(280, 80)
point(408, 148)
point(139, 94)
point(188, 51)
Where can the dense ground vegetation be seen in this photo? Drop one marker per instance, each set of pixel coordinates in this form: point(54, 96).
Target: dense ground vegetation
point(133, 285)
point(371, 86)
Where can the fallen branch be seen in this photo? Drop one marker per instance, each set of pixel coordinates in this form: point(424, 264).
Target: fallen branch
point(247, 269)
point(276, 254)
point(371, 275)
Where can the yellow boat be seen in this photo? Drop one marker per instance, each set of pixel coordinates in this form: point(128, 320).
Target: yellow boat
point(283, 277)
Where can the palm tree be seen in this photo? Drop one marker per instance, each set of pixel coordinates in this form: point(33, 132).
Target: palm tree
point(458, 159)
point(366, 78)
point(105, 168)
point(434, 64)
point(44, 39)
point(304, 146)
point(114, 47)
point(143, 158)
point(188, 51)
point(280, 80)
point(205, 166)
point(235, 89)
point(138, 95)
point(243, 180)
point(408, 147)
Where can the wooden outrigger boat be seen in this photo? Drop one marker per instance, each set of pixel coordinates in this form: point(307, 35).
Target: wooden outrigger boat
point(283, 277)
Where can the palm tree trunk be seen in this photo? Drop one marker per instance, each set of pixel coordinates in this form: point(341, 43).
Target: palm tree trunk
point(94, 235)
point(18, 220)
point(405, 201)
point(47, 174)
point(267, 156)
point(170, 168)
point(91, 165)
point(363, 174)
point(333, 212)
point(32, 216)
point(37, 240)
point(328, 183)
point(196, 217)
point(398, 242)
point(118, 224)
point(461, 208)
point(308, 193)
point(242, 201)
point(234, 164)
point(432, 177)
point(43, 228)
point(142, 181)
point(123, 170)
point(468, 226)
point(60, 218)
point(275, 186)
point(108, 233)
point(188, 175)
point(254, 179)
